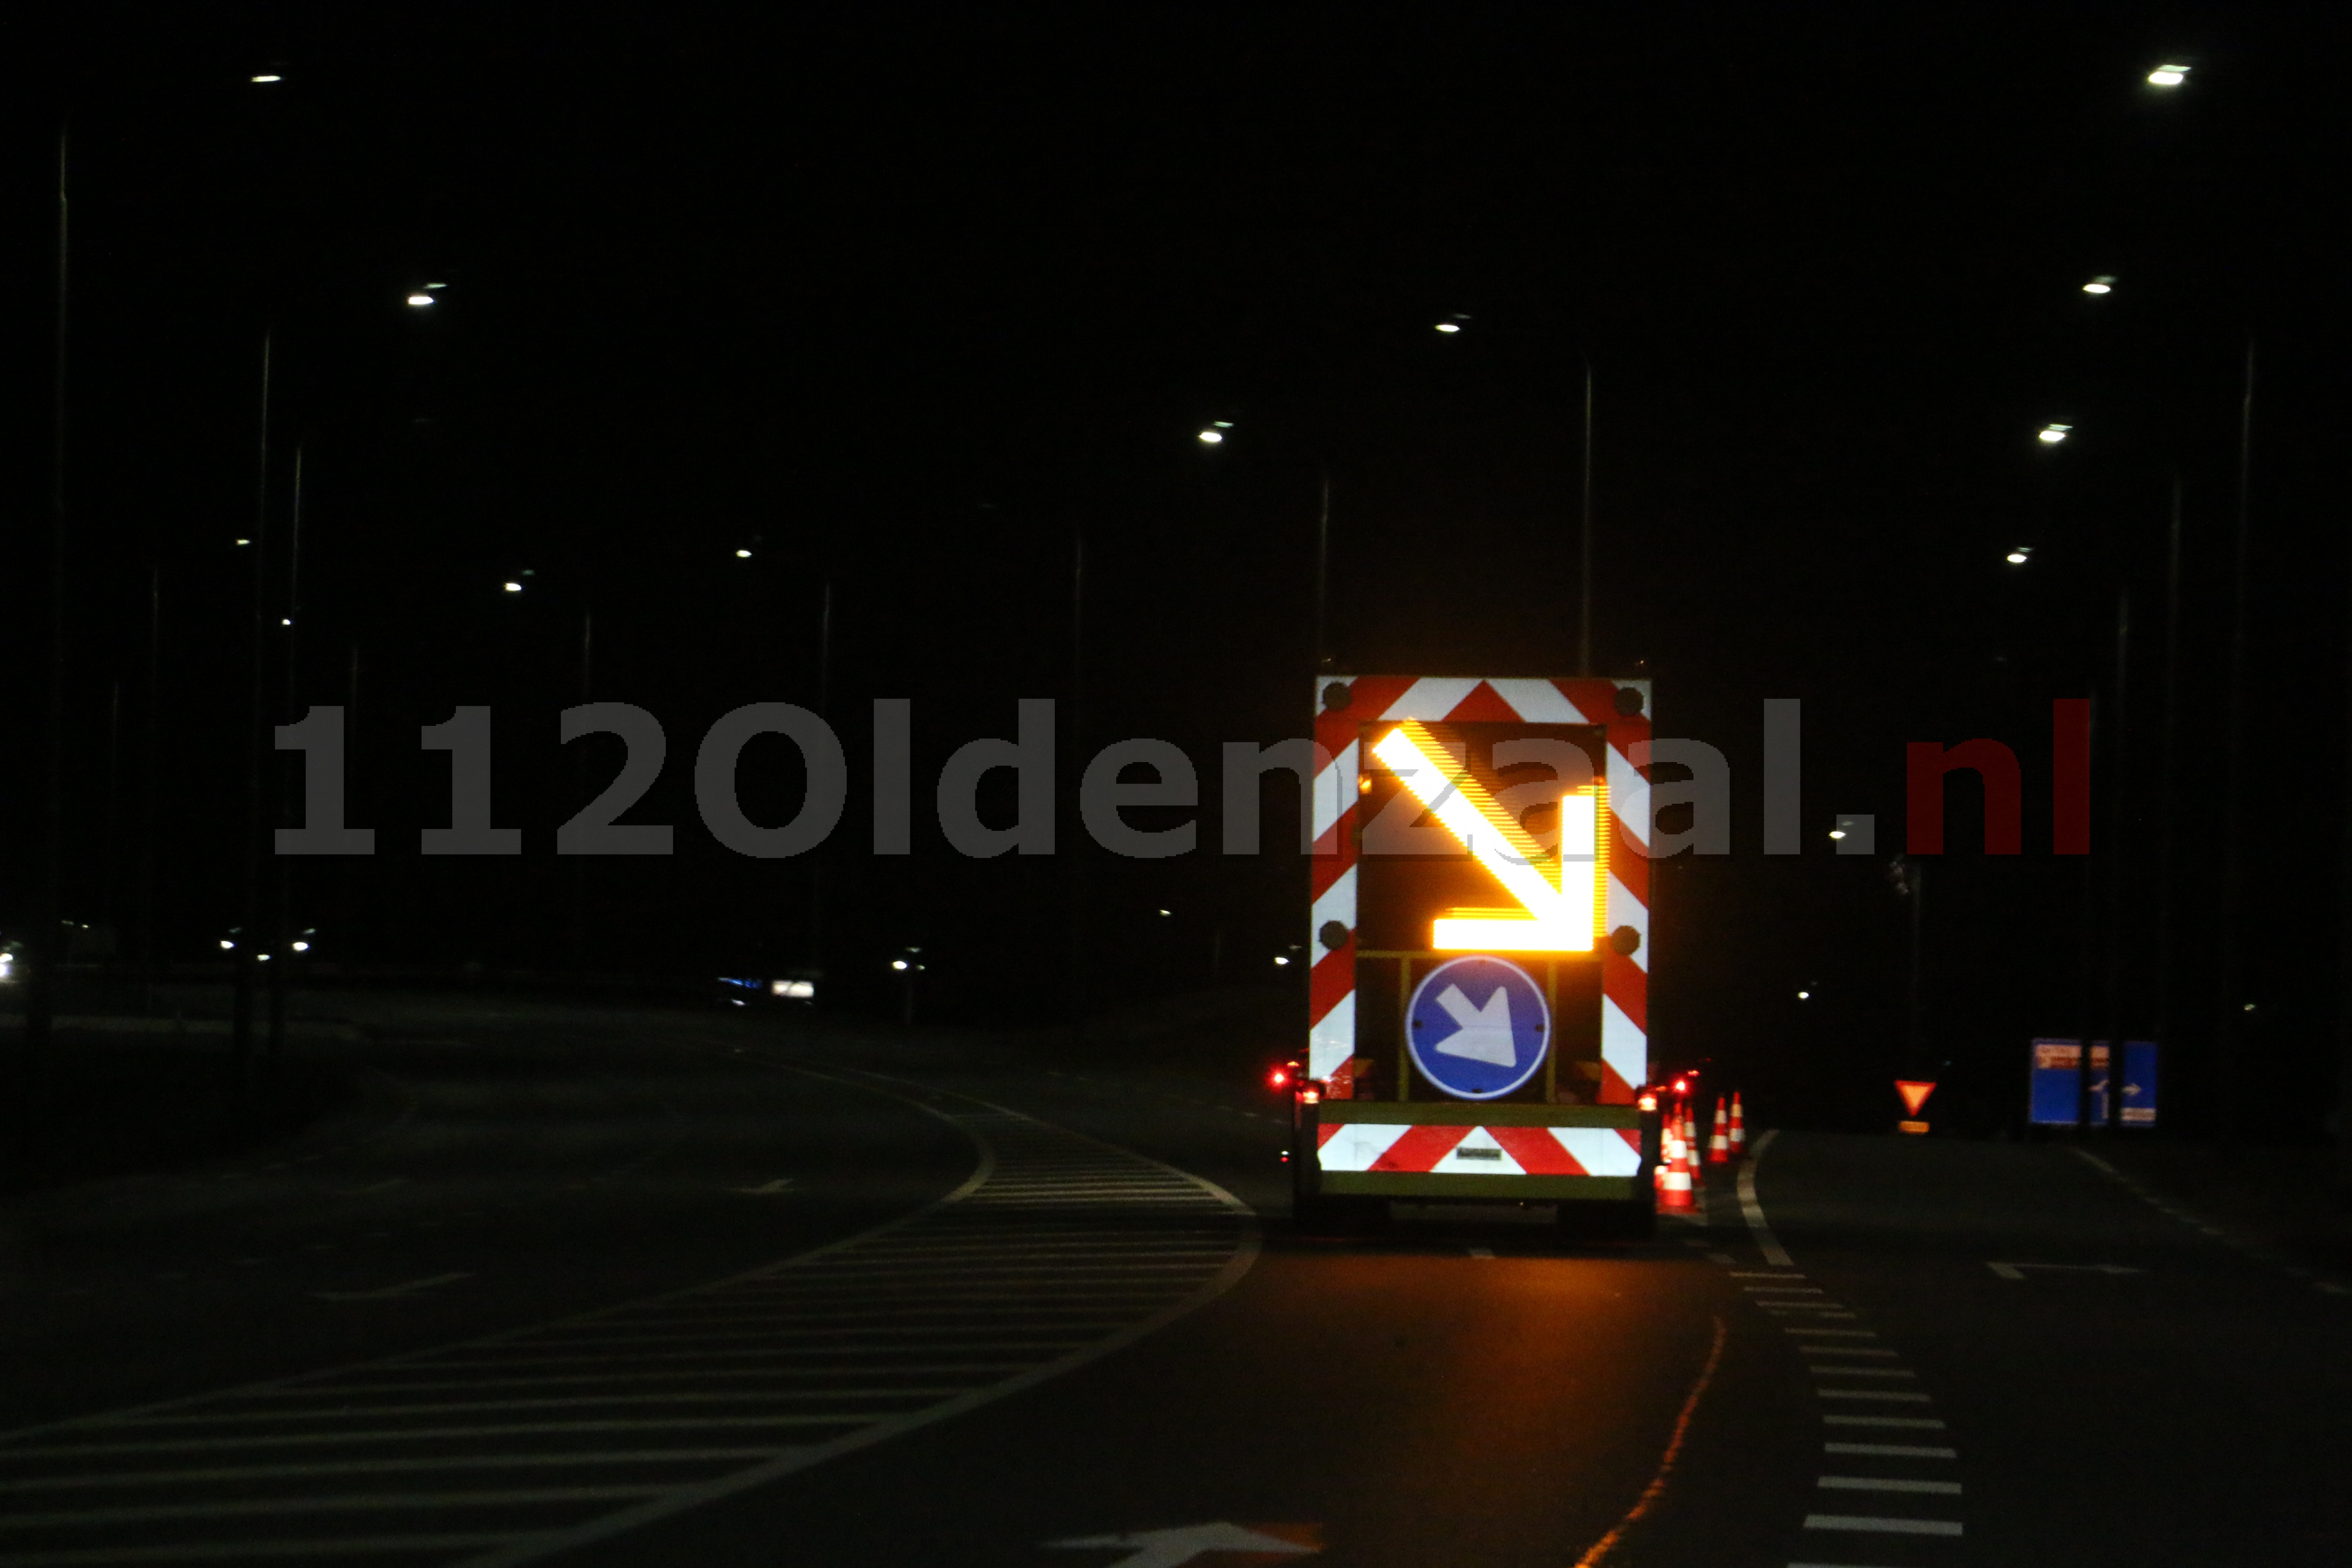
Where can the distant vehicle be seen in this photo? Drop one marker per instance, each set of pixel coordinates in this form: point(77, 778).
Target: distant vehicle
point(1478, 984)
point(796, 986)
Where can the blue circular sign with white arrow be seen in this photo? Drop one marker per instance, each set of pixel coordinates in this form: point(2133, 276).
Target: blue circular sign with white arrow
point(1477, 1026)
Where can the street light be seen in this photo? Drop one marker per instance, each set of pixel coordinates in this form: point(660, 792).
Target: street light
point(268, 77)
point(2103, 284)
point(742, 556)
point(2051, 435)
point(2020, 556)
point(2167, 76)
point(1449, 326)
point(514, 587)
point(421, 298)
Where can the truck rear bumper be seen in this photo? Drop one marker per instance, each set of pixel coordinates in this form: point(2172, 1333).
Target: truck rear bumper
point(1537, 1152)
point(1434, 1186)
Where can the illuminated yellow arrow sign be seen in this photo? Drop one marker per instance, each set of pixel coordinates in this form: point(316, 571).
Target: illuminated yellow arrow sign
point(1557, 913)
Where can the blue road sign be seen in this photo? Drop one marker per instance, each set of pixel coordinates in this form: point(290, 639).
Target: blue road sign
point(2139, 1083)
point(2055, 1094)
point(1477, 1026)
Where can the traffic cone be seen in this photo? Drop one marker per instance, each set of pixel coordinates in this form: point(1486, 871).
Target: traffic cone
point(1718, 1147)
point(1674, 1194)
point(1738, 1128)
point(1691, 1143)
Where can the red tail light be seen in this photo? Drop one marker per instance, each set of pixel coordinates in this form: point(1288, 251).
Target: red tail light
point(1279, 1077)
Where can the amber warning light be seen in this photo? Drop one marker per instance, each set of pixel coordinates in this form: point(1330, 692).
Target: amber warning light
point(1560, 894)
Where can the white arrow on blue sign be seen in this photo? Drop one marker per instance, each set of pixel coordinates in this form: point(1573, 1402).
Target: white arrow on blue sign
point(1477, 1026)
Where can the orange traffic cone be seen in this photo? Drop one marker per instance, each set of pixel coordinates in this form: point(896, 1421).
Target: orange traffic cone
point(1674, 1194)
point(1690, 1143)
point(1739, 1129)
point(1718, 1147)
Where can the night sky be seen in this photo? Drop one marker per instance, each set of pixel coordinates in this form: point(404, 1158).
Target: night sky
point(931, 305)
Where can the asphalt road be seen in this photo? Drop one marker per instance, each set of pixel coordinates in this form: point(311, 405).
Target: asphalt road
point(610, 1288)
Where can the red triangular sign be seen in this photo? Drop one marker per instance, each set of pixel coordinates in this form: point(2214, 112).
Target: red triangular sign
point(1914, 1095)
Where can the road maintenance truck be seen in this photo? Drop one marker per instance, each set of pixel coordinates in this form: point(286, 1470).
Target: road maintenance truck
point(1479, 946)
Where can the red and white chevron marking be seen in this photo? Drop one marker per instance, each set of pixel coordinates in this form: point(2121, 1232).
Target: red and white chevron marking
point(1624, 980)
point(1481, 1150)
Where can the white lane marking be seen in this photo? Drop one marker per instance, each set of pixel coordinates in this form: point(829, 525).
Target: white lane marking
point(360, 1502)
point(764, 1189)
point(1766, 1243)
point(667, 1376)
point(1887, 1484)
point(1174, 1548)
point(569, 1402)
point(1725, 1258)
point(256, 1550)
point(560, 1459)
point(1482, 1252)
point(1893, 1450)
point(389, 1291)
point(1883, 1395)
point(1759, 1273)
point(420, 1434)
point(1784, 1289)
point(753, 1356)
point(1882, 1526)
point(1846, 1350)
point(1916, 1423)
point(1819, 1371)
point(1832, 1333)
point(2015, 1270)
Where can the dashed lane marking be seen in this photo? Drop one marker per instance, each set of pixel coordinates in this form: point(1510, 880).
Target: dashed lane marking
point(1819, 1371)
point(2133, 1185)
point(1057, 1250)
point(390, 1292)
point(1831, 1354)
point(1882, 1526)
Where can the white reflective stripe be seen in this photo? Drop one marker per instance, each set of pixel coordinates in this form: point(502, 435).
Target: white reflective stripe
point(1536, 702)
point(1625, 1048)
point(1337, 903)
point(1601, 1150)
point(1332, 1041)
point(1624, 909)
point(1432, 697)
point(1335, 790)
point(1356, 1145)
point(1498, 1163)
point(1629, 798)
